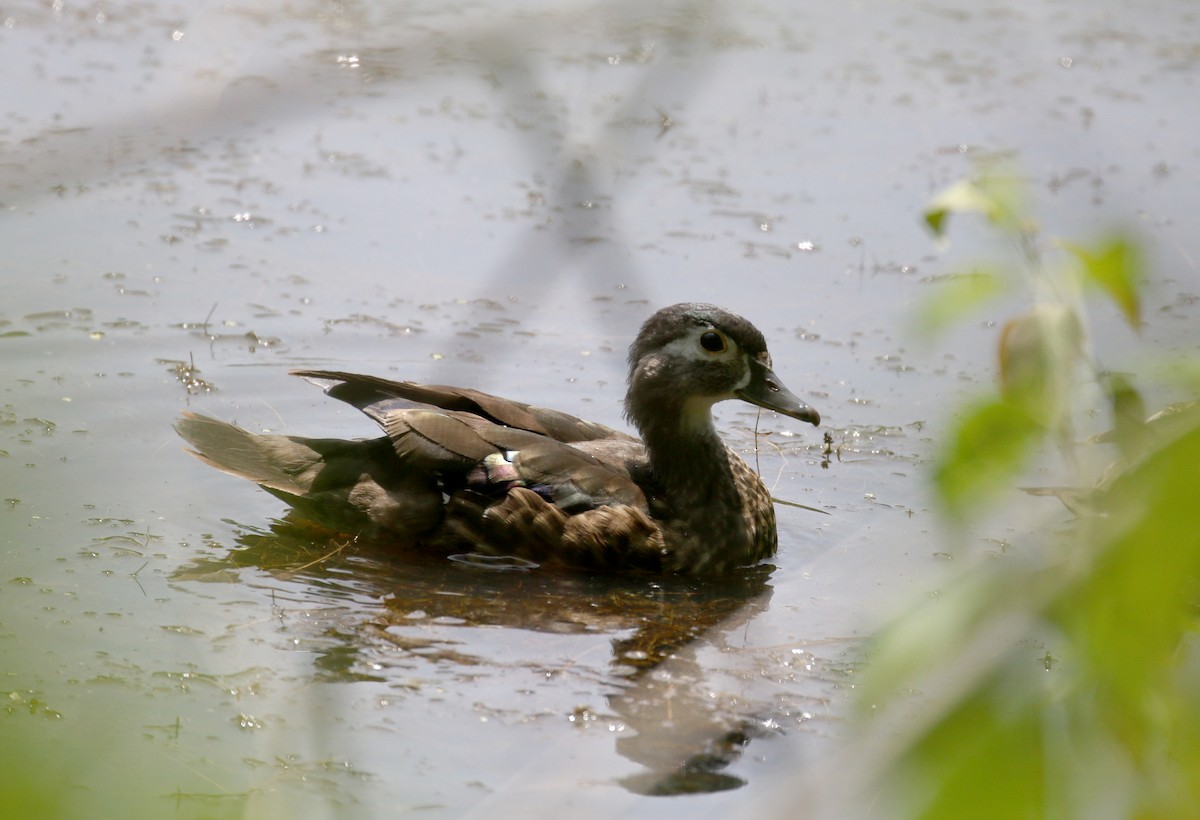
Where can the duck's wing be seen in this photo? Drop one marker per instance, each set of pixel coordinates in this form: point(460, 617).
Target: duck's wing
point(377, 397)
point(480, 442)
point(451, 472)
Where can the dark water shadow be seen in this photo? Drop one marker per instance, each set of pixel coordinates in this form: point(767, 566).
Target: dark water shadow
point(380, 602)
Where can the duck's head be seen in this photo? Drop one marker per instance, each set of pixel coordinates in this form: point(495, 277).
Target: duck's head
point(688, 357)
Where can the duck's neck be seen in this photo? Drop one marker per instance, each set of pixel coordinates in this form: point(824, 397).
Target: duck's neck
point(686, 454)
point(714, 508)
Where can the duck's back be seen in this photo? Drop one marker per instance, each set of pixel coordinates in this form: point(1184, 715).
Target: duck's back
point(456, 468)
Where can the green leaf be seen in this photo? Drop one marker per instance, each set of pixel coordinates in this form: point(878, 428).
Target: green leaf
point(986, 451)
point(955, 295)
point(1131, 615)
point(1039, 355)
point(939, 627)
point(986, 758)
point(1129, 415)
point(1116, 268)
point(963, 196)
point(999, 197)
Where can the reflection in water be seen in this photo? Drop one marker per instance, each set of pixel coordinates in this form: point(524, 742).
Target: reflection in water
point(414, 607)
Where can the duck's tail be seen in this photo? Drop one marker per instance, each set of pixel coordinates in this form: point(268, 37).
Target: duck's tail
point(345, 485)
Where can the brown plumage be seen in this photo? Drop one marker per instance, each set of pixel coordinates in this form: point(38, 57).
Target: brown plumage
point(459, 470)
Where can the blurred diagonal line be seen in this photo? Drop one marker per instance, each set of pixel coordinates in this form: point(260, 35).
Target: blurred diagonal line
point(196, 98)
point(587, 242)
point(206, 89)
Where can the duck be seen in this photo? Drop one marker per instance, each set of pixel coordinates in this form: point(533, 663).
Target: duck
point(459, 469)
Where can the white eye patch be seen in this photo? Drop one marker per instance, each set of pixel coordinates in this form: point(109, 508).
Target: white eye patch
point(689, 347)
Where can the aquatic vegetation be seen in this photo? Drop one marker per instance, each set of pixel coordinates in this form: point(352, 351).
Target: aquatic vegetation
point(1061, 680)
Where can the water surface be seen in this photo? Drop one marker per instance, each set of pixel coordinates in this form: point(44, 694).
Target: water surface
point(196, 198)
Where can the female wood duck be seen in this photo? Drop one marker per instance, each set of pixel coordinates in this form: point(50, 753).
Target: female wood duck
point(460, 468)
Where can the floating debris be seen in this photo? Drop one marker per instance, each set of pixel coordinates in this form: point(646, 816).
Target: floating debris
point(188, 375)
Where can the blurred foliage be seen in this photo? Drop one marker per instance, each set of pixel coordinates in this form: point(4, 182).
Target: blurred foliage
point(1062, 680)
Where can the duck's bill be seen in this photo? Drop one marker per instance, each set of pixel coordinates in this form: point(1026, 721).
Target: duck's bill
point(766, 390)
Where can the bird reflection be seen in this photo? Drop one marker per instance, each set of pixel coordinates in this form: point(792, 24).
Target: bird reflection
point(681, 735)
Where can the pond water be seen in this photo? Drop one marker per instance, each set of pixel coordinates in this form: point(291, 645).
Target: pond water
point(197, 197)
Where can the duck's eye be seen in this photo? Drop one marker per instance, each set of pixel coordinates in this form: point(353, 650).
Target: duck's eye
point(713, 342)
